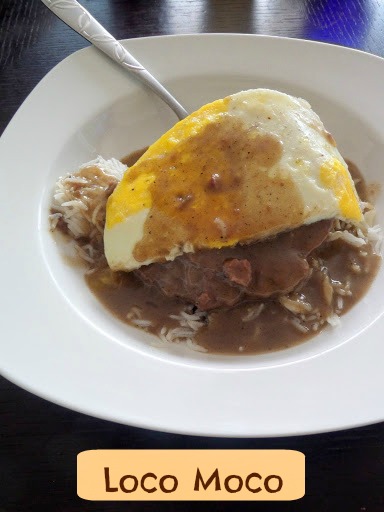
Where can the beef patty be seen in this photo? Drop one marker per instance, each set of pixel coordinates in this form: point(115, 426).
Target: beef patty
point(211, 278)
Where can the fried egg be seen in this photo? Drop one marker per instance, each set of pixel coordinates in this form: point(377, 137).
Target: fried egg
point(237, 170)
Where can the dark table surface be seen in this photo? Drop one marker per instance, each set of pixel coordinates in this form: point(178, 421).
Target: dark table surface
point(39, 441)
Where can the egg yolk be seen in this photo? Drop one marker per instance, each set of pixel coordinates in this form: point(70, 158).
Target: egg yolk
point(335, 176)
point(133, 192)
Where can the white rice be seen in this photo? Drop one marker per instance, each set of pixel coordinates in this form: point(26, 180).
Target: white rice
point(80, 210)
point(142, 323)
point(295, 304)
point(348, 237)
point(192, 321)
point(253, 312)
point(360, 233)
point(333, 320)
point(221, 225)
point(179, 335)
point(298, 325)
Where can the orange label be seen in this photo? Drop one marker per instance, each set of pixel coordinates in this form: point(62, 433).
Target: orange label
point(155, 475)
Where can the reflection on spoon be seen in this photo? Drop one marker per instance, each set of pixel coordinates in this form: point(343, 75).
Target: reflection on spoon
point(82, 22)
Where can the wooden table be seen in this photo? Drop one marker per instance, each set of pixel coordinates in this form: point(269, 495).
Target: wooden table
point(39, 441)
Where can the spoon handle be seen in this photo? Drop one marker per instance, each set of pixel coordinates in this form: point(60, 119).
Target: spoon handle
point(82, 22)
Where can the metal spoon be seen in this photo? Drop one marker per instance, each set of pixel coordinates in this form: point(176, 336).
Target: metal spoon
point(82, 22)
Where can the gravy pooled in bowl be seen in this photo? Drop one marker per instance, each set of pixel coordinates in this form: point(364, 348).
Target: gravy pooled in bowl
point(240, 231)
point(340, 276)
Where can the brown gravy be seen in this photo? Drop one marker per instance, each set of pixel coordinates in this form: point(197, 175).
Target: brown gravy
point(341, 276)
point(227, 331)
